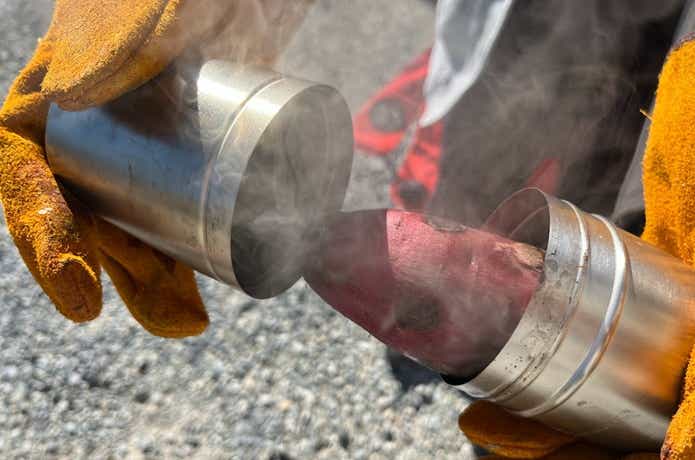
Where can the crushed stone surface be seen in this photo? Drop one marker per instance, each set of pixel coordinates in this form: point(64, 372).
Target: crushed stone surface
point(280, 379)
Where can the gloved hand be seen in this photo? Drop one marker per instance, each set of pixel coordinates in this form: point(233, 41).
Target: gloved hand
point(93, 52)
point(669, 185)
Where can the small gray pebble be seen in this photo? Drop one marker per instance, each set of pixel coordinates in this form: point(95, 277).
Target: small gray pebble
point(85, 386)
point(9, 373)
point(141, 397)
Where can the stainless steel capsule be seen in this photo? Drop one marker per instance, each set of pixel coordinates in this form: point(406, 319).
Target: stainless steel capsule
point(229, 169)
point(603, 345)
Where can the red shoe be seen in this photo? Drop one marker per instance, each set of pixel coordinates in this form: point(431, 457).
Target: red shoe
point(546, 176)
point(384, 120)
point(418, 175)
point(381, 127)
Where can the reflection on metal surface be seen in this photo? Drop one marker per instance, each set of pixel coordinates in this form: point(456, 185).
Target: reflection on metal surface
point(602, 347)
point(232, 172)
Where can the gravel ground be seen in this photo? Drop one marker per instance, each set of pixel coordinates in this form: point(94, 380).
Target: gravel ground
point(280, 379)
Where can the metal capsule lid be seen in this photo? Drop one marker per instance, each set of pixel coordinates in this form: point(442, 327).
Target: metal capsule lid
point(227, 168)
point(284, 158)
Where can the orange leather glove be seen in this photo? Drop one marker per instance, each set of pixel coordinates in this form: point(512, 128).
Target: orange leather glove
point(669, 185)
point(93, 52)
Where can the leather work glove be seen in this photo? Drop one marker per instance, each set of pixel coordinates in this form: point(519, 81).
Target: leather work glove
point(669, 184)
point(94, 51)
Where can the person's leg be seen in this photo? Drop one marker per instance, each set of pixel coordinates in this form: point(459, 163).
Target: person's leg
point(565, 80)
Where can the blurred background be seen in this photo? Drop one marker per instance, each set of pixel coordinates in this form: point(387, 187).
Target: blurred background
point(281, 379)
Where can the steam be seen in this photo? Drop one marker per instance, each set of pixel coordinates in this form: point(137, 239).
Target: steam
point(565, 80)
point(253, 32)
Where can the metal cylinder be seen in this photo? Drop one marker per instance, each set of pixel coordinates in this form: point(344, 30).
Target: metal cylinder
point(601, 350)
point(228, 169)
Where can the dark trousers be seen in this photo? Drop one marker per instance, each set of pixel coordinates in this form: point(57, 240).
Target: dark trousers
point(565, 81)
